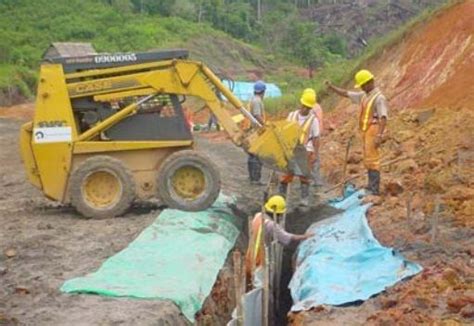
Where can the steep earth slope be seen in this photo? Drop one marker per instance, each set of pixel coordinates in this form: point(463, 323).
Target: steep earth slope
point(428, 77)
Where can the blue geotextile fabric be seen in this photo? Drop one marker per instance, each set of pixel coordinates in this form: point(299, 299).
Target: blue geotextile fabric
point(176, 258)
point(244, 90)
point(344, 262)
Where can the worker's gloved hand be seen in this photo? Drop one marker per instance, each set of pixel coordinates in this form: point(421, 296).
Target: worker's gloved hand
point(308, 235)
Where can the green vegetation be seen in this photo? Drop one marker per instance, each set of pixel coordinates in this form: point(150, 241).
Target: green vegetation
point(237, 36)
point(28, 27)
point(341, 71)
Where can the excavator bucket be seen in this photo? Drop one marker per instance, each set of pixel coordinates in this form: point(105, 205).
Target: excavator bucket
point(277, 145)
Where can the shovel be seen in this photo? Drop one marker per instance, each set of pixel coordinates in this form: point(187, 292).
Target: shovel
point(346, 157)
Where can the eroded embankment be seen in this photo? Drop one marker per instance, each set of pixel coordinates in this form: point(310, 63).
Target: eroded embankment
point(428, 78)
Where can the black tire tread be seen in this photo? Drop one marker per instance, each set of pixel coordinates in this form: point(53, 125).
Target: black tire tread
point(190, 156)
point(94, 163)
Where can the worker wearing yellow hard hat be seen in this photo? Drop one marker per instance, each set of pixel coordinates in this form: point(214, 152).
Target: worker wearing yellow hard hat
point(318, 112)
point(372, 121)
point(265, 226)
point(308, 121)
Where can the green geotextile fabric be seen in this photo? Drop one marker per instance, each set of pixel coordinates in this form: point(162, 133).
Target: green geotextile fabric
point(176, 258)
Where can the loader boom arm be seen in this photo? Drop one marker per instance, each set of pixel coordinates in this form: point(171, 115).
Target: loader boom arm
point(275, 143)
point(181, 77)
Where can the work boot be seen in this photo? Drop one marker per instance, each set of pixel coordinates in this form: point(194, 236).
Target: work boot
point(304, 194)
point(374, 182)
point(283, 189)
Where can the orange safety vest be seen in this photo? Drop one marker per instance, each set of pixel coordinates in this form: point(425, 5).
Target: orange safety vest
point(255, 253)
point(306, 125)
point(366, 111)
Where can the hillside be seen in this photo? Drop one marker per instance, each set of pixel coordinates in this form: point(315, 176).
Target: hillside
point(234, 37)
point(28, 27)
point(359, 23)
point(427, 208)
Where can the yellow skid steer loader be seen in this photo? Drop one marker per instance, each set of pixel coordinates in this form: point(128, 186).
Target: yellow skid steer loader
point(109, 128)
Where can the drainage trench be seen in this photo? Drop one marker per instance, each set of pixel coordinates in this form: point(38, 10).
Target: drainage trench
point(296, 222)
point(218, 307)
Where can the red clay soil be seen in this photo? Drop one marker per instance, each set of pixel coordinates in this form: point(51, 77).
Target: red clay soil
point(20, 112)
point(433, 65)
point(442, 54)
point(429, 80)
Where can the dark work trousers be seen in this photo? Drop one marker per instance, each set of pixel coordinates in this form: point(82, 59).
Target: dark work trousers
point(255, 168)
point(213, 121)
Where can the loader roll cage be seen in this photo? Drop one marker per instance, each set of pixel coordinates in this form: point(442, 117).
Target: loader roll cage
point(125, 80)
point(110, 60)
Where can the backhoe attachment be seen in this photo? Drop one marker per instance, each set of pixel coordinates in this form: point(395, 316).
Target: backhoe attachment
point(275, 143)
point(277, 146)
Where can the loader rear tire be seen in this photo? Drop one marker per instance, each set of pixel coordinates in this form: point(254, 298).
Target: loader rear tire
point(188, 181)
point(102, 187)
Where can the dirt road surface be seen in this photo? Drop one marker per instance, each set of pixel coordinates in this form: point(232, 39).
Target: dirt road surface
point(50, 243)
point(42, 244)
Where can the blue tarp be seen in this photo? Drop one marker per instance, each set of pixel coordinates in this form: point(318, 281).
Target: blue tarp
point(244, 90)
point(344, 262)
point(176, 258)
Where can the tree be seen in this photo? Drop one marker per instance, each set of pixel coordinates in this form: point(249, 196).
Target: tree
point(161, 7)
point(123, 6)
point(336, 44)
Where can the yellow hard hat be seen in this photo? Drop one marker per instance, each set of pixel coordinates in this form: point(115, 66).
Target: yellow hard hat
point(311, 91)
point(363, 76)
point(276, 204)
point(308, 98)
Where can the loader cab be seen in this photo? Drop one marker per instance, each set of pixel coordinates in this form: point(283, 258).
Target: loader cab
point(160, 118)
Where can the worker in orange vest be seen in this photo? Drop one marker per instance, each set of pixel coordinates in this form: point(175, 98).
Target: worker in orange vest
point(273, 209)
point(305, 118)
point(372, 122)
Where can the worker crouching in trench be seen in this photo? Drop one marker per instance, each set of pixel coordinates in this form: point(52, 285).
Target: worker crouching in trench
point(308, 121)
point(264, 230)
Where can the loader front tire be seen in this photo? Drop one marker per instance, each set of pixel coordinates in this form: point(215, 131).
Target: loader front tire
point(102, 187)
point(188, 181)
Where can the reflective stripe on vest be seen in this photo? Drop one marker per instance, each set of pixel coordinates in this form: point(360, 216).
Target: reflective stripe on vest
point(366, 111)
point(306, 125)
point(258, 240)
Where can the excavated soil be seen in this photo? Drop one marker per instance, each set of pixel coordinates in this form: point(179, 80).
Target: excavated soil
point(427, 207)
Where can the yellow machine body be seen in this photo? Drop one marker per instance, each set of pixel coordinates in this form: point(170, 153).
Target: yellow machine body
point(55, 143)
